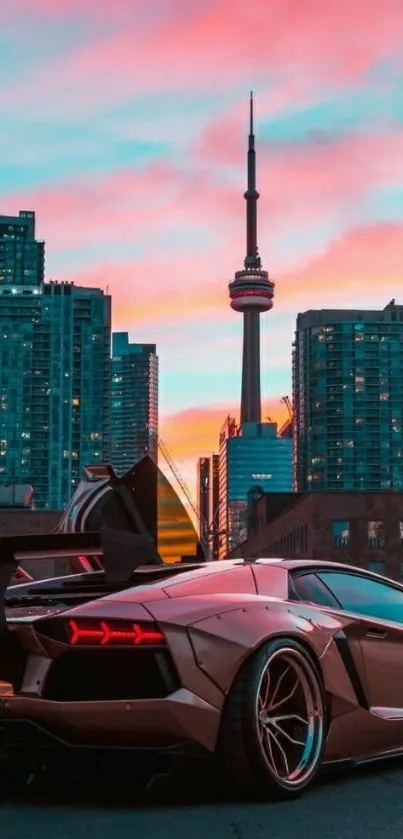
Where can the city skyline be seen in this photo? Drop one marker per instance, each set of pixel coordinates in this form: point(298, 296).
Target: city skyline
point(136, 178)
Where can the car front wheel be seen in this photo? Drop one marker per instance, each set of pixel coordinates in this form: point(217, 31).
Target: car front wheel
point(273, 728)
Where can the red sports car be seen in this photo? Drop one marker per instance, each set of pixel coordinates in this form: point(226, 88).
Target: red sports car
point(271, 667)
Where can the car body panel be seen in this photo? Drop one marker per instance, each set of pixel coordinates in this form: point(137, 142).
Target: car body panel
point(213, 618)
point(158, 723)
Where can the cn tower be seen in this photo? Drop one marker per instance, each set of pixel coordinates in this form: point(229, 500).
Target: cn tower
point(251, 292)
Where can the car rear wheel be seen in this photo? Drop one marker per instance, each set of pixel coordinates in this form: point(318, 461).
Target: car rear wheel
point(273, 729)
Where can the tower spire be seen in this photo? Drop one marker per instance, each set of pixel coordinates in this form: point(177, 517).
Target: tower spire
point(252, 259)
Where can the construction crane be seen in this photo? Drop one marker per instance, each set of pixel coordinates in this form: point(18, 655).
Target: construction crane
point(163, 448)
point(175, 471)
point(286, 428)
point(287, 402)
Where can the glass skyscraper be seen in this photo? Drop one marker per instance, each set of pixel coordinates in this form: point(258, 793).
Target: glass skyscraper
point(250, 456)
point(348, 400)
point(54, 371)
point(134, 402)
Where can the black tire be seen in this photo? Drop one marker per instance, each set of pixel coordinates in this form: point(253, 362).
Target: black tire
point(247, 755)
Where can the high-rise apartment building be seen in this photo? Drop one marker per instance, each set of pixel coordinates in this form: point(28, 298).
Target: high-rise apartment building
point(348, 400)
point(251, 456)
point(54, 371)
point(134, 402)
point(22, 256)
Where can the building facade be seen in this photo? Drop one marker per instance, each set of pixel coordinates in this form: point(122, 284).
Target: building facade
point(208, 502)
point(348, 400)
point(134, 402)
point(22, 256)
point(250, 456)
point(361, 528)
point(203, 497)
point(54, 371)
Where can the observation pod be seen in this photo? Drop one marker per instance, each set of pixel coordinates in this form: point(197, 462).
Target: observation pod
point(251, 291)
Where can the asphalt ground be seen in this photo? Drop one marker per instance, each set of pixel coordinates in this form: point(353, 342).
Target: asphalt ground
point(360, 804)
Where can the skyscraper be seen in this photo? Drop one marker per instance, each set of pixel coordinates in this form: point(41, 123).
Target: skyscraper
point(348, 400)
point(134, 402)
point(54, 370)
point(71, 381)
point(251, 292)
point(22, 256)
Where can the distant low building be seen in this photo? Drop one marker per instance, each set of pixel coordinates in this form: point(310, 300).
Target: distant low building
point(208, 502)
point(16, 496)
point(251, 456)
point(361, 528)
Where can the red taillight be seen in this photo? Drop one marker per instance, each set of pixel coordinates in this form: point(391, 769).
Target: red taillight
point(103, 633)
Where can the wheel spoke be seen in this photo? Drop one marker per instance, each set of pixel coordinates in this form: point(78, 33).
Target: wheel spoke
point(280, 749)
point(291, 717)
point(278, 685)
point(270, 754)
point(285, 734)
point(265, 698)
point(290, 694)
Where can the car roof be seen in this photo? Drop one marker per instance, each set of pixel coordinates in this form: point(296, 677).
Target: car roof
point(326, 565)
point(296, 564)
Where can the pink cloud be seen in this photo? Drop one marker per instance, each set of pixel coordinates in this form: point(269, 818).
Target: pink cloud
point(227, 42)
point(300, 185)
point(94, 209)
point(368, 258)
point(229, 37)
point(361, 267)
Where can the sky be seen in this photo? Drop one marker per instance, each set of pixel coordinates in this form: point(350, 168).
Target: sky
point(124, 126)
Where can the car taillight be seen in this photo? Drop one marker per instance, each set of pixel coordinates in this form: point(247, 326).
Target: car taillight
point(104, 633)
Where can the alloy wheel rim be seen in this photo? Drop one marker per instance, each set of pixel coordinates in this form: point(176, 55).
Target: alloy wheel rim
point(289, 717)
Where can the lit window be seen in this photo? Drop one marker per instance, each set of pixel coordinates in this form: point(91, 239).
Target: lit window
point(340, 533)
point(376, 534)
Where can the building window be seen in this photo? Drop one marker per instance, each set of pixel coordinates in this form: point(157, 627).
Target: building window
point(376, 534)
point(340, 533)
point(377, 566)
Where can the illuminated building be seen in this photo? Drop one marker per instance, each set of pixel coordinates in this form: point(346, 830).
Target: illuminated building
point(348, 400)
point(54, 370)
point(134, 402)
point(250, 456)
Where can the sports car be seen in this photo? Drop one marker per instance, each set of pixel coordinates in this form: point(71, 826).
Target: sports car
point(271, 668)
